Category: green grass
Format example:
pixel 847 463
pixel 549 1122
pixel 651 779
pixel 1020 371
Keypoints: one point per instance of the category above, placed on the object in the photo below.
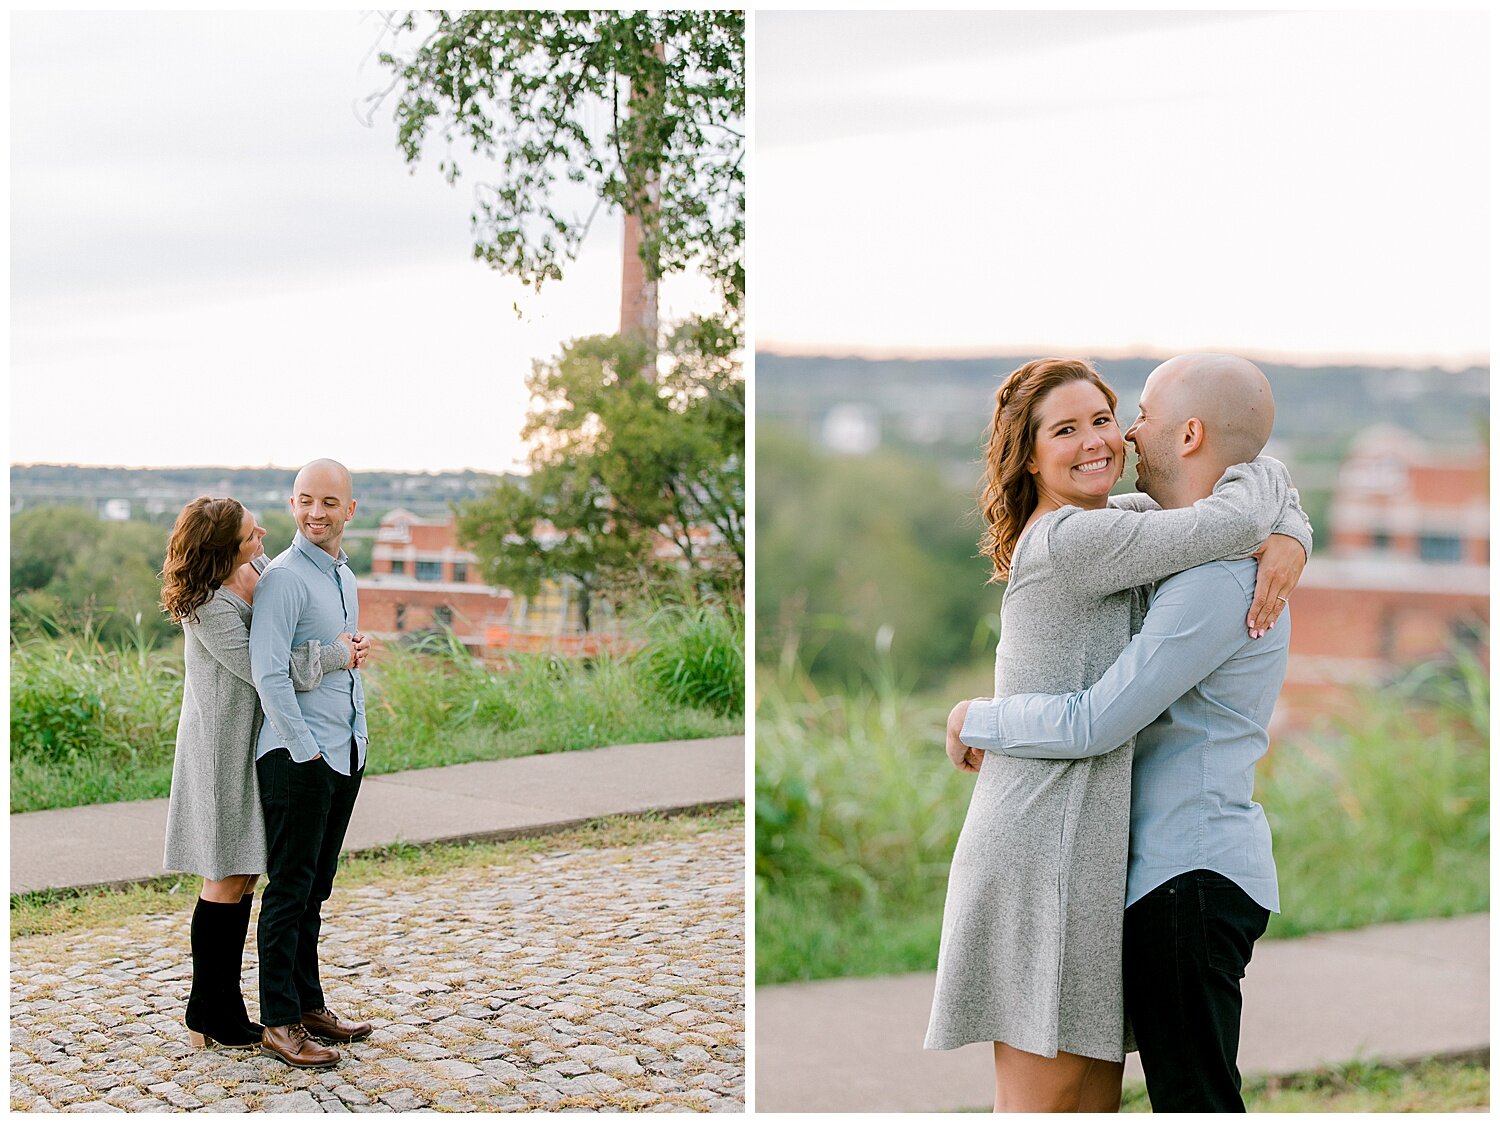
pixel 694 656
pixel 1436 1085
pixel 858 811
pixel 56 912
pixel 96 724
pixel 1383 818
pixel 437 706
pixel 90 723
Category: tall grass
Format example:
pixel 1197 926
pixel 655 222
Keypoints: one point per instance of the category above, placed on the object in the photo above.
pixel 94 724
pixel 858 811
pixel 91 722
pixel 695 656
pixel 1386 816
pixel 434 705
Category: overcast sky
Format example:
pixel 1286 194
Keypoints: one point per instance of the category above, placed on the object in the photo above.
pixel 213 261
pixel 1305 184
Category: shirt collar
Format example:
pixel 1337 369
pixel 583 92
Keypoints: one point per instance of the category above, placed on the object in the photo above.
pixel 319 556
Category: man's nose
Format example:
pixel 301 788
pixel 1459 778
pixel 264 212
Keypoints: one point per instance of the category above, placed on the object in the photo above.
pixel 1130 434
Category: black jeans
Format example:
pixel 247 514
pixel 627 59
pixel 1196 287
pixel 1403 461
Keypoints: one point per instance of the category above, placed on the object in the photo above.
pixel 307 809
pixel 1186 946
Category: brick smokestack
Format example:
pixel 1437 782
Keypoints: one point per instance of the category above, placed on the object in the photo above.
pixel 638 314
pixel 638 283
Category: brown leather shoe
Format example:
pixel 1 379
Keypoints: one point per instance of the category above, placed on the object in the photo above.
pixel 292 1045
pixel 324 1023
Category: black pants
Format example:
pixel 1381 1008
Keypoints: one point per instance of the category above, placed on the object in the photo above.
pixel 307 809
pixel 1186 946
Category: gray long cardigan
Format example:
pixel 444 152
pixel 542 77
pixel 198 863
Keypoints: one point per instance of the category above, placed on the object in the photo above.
pixel 214 823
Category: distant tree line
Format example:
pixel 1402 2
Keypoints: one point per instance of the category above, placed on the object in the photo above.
pixel 73 572
pixel 262 489
pixel 865 565
pixel 943 405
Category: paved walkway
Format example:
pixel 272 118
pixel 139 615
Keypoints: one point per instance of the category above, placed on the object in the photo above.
pixel 120 843
pixel 1389 992
pixel 585 980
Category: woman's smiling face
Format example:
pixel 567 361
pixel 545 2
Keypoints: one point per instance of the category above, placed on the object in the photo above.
pixel 1078 454
pixel 251 533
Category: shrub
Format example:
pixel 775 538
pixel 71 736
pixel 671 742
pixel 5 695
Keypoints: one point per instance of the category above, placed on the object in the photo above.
pixel 81 697
pixel 695 656
pixel 55 712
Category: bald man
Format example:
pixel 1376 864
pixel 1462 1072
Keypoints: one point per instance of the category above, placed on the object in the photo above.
pixel 309 760
pixel 1195 688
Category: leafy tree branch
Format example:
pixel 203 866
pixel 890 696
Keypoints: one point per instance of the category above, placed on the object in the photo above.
pixel 643 109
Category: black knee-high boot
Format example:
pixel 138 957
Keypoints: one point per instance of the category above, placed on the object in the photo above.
pixel 234 966
pixel 211 1018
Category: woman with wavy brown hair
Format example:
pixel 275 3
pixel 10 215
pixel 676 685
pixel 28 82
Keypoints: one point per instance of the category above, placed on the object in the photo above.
pixel 214 823
pixel 1032 926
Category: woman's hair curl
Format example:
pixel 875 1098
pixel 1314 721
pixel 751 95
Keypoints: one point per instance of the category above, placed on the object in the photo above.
pixel 200 555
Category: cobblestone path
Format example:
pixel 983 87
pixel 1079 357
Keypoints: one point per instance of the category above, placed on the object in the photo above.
pixel 591 979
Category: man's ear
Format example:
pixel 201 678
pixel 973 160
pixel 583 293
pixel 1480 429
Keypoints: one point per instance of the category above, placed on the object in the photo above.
pixel 353 503
pixel 1192 436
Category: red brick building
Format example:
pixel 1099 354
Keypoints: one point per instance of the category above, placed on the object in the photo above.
pixel 422 581
pixel 1400 575
pixel 1398 499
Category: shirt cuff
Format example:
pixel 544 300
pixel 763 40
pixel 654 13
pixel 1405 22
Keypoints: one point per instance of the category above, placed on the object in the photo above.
pixel 301 753
pixel 982 724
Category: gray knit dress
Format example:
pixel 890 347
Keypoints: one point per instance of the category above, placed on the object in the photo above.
pixel 1036 894
pixel 214 823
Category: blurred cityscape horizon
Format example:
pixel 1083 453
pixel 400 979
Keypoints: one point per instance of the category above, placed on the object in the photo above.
pixel 1391 462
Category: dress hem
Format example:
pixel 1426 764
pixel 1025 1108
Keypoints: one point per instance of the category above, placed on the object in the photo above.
pixel 1096 1055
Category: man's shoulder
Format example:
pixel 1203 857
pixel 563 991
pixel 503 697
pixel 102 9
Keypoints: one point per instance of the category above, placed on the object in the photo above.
pixel 289 559
pixel 1215 583
pixel 284 571
pixel 282 558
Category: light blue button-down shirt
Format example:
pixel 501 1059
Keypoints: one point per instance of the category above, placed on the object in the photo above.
pixel 306 594
pixel 1197 693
